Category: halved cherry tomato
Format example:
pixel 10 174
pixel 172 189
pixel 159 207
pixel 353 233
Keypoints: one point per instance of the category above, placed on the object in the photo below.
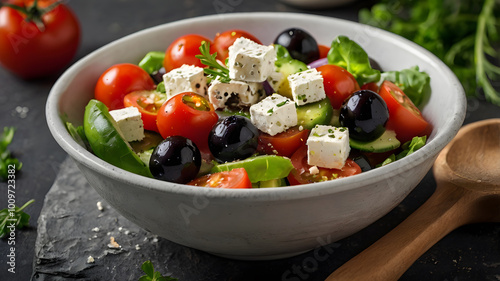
pixel 224 40
pixel 119 80
pixel 323 51
pixel 148 103
pixel 236 178
pixel 302 174
pixel 404 117
pixel 282 144
pixel 189 115
pixel 183 51
pixel 339 84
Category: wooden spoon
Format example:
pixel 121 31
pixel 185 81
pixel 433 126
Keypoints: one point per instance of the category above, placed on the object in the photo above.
pixel 467 173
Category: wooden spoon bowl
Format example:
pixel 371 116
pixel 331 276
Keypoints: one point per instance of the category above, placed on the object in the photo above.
pixel 467 173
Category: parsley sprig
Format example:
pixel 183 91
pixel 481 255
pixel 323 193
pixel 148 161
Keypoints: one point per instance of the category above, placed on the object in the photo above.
pixel 152 275
pixel 16 217
pixel 6 159
pixel 214 69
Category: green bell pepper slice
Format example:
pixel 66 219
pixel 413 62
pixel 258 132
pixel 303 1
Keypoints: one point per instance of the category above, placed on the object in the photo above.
pixel 107 142
pixel 152 61
pixel 260 168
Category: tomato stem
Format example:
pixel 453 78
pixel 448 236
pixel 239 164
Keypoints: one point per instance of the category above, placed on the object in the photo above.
pixel 33 13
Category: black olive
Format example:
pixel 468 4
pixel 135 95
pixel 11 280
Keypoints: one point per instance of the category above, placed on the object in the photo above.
pixel 361 160
pixel 233 138
pixel 365 114
pixel 158 75
pixel 300 44
pixel 176 159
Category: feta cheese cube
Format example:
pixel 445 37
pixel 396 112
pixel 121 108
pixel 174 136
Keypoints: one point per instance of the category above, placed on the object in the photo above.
pixel 129 123
pixel 328 146
pixel 306 86
pixel 274 114
pixel 244 94
pixel 249 61
pixel 187 78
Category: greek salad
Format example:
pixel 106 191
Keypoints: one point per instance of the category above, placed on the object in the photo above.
pixel 232 112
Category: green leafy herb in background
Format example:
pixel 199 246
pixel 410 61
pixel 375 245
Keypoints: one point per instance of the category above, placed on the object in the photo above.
pixel 462 33
pixel 13 217
pixel 6 159
pixel 152 275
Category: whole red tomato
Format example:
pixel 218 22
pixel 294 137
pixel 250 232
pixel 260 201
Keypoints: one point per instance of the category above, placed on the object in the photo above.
pixel 224 40
pixel 183 51
pixel 339 84
pixel 32 45
pixel 118 81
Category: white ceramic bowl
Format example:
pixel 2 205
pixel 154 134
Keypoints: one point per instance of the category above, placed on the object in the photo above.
pixel 258 223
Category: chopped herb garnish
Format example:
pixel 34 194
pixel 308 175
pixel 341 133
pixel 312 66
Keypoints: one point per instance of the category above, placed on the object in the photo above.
pixel 270 111
pixel 152 275
pixel 214 69
pixel 282 103
pixel 13 218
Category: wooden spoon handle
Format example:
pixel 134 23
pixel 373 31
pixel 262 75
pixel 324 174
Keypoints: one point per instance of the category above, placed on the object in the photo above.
pixel 388 258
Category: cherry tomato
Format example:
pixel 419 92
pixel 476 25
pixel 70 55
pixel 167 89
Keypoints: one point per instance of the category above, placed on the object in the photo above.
pixel 339 84
pixel 404 117
pixel 302 175
pixel 188 115
pixel 372 86
pixel 119 80
pixel 323 51
pixel 282 144
pixel 32 51
pixel 148 103
pixel 224 40
pixel 183 51
pixel 236 178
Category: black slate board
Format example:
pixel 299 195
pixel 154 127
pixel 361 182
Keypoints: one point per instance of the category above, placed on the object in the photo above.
pixel 67 237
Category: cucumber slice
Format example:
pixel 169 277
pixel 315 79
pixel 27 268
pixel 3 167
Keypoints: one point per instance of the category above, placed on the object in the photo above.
pixel 386 142
pixel 316 113
pixel 107 142
pixel 286 65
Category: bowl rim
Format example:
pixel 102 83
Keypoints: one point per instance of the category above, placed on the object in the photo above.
pixel 86 158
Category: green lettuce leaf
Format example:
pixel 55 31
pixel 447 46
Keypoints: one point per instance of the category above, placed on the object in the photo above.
pixel 413 82
pixel 348 54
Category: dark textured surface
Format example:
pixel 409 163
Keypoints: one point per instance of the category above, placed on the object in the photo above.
pixel 469 253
